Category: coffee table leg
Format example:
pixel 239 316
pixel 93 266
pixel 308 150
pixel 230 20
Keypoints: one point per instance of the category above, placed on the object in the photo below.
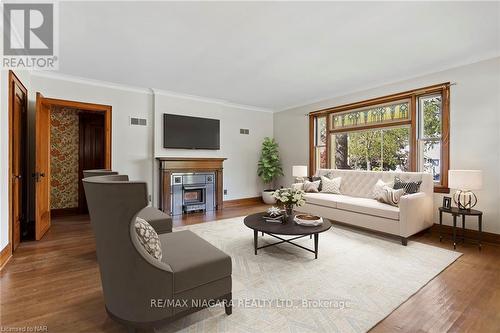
pixel 255 235
pixel 316 240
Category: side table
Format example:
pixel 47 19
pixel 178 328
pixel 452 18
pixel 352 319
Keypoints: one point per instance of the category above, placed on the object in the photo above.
pixel 455 212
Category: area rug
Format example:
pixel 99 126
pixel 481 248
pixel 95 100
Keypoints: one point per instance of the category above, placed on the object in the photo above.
pixel 357 280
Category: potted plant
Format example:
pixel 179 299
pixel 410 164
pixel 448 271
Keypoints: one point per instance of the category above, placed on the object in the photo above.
pixel 289 198
pixel 269 168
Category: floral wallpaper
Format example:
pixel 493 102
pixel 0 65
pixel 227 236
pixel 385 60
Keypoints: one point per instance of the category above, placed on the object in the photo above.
pixel 64 150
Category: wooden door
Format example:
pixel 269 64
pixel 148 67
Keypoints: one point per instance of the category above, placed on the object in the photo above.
pixel 92 149
pixel 18 115
pixel 42 167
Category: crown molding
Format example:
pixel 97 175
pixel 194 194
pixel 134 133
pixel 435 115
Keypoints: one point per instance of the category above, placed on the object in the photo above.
pixel 149 91
pixel 83 80
pixel 210 100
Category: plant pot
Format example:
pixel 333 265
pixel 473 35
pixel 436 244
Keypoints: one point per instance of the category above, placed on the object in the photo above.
pixel 267 197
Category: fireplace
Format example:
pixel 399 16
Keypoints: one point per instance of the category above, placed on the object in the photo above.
pixel 190 184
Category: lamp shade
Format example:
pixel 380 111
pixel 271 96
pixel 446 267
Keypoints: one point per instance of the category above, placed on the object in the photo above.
pixel 465 179
pixel 299 171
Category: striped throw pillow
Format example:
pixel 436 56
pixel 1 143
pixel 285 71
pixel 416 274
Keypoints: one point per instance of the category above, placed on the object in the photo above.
pixel 390 196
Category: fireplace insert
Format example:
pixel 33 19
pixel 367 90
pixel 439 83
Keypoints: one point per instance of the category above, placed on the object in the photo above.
pixel 192 192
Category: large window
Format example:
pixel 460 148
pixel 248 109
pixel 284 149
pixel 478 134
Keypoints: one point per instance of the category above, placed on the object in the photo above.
pixel 401 132
pixel 320 138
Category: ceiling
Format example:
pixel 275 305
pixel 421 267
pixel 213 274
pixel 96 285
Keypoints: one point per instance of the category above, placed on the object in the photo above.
pixel 271 55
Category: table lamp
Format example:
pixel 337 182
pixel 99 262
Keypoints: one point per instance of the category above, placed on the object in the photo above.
pixel 464 181
pixel 299 172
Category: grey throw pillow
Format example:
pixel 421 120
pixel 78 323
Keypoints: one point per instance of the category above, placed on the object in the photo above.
pixel 311 187
pixel 148 238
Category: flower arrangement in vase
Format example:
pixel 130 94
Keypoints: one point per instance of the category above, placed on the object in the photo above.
pixel 289 198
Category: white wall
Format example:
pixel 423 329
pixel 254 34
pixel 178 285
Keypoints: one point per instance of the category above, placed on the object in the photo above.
pixel 133 148
pixel 242 151
pixel 474 132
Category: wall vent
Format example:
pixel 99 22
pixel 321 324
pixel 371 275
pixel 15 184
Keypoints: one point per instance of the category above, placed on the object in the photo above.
pixel 244 131
pixel 138 121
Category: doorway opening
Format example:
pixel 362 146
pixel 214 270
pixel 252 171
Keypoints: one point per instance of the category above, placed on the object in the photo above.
pixel 70 137
pixel 77 143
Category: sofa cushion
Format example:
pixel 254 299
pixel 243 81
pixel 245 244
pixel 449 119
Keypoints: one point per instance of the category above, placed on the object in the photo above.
pixel 160 221
pixel 193 260
pixel 367 206
pixel 322 199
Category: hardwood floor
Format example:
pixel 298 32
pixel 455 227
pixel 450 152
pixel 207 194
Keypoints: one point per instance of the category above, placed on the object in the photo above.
pixel 55 283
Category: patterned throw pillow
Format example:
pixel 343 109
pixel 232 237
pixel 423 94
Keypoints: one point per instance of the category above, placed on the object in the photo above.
pixel 390 196
pixel 379 186
pixel 330 185
pixel 148 238
pixel 311 187
pixel 408 187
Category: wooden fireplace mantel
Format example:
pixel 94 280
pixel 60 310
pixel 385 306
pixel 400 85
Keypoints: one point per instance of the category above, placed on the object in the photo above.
pixel 169 165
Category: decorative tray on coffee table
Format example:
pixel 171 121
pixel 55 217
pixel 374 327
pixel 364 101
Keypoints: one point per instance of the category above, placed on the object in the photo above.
pixel 308 220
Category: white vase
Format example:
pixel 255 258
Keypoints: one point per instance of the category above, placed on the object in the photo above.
pixel 267 197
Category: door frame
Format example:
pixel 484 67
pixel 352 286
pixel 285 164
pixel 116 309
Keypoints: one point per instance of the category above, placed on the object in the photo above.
pixel 89 107
pixel 14 81
pixel 106 110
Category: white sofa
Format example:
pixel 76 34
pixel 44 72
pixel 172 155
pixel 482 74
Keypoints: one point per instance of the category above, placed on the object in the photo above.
pixel 356 206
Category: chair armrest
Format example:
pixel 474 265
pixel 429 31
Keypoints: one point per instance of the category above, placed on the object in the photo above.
pixel 414 211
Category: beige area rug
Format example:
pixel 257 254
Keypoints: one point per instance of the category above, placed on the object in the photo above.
pixel 357 281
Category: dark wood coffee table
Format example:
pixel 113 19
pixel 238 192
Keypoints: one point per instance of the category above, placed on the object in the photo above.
pixel 289 228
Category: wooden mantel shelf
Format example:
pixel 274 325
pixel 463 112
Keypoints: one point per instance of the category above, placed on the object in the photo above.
pixel 169 165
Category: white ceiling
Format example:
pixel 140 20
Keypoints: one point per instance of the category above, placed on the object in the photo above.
pixel 272 55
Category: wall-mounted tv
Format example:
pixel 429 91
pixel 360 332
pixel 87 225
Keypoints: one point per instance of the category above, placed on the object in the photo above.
pixel 183 132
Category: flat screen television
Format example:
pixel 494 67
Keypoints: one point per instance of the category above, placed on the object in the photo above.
pixel 183 132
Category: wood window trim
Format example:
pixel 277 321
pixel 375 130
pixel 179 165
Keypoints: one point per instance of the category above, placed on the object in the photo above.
pixel 411 95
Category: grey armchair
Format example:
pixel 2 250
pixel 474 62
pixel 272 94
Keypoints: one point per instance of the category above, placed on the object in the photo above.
pixel 139 290
pixel 161 222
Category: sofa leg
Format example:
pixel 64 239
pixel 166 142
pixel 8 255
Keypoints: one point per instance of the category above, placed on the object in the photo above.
pixel 228 306
pixel 404 241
